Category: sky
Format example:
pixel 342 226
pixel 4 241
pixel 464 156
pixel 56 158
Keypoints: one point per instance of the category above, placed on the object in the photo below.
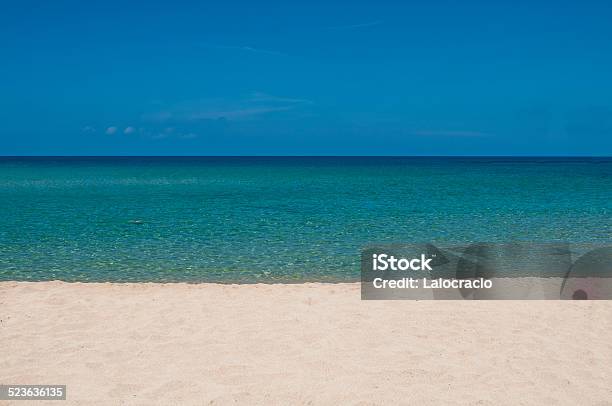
pixel 306 78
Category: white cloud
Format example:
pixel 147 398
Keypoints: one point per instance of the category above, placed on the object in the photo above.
pixel 237 113
pixel 451 133
pixel 111 130
pixel 244 49
pixel 251 106
pixel 160 136
pixel 264 97
pixel 129 130
pixel 351 26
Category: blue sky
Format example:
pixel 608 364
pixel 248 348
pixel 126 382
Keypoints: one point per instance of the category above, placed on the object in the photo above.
pixel 306 78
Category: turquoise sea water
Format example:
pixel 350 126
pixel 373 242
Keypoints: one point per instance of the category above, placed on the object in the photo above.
pixel 279 219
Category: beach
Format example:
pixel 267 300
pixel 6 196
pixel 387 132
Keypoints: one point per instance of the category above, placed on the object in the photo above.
pixel 306 203
pixel 311 343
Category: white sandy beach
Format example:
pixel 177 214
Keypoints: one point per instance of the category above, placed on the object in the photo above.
pixel 180 344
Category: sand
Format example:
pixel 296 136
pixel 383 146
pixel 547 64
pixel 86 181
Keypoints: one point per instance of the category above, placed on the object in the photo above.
pixel 179 344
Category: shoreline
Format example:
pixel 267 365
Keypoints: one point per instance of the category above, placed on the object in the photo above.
pixel 183 343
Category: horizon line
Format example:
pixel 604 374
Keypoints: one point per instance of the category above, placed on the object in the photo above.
pixel 305 156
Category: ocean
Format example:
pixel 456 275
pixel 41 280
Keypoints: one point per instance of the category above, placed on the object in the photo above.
pixel 278 219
